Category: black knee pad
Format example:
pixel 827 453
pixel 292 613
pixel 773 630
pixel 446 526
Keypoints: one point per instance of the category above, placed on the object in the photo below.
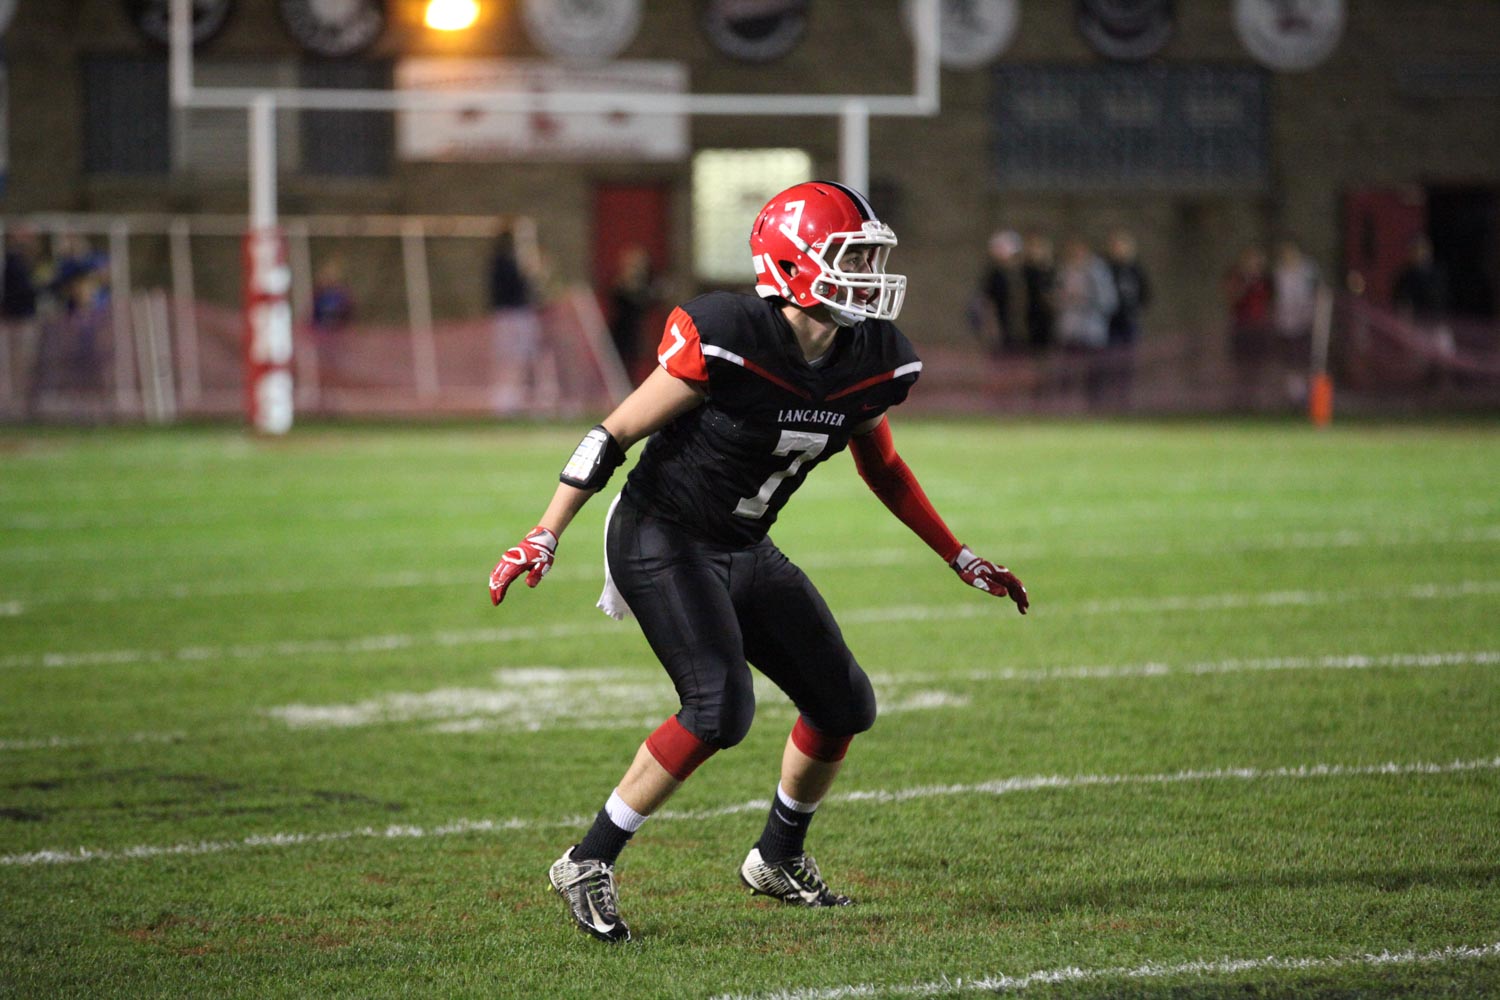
pixel 725 722
pixel 852 716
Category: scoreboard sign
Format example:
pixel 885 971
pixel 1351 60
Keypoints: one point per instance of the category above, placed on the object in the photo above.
pixel 612 133
pixel 1168 127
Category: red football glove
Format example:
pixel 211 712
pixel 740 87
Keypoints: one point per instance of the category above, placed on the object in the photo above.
pixel 988 577
pixel 533 556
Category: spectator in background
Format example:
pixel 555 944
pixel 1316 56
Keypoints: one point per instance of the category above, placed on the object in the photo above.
pixel 1294 290
pixel 18 298
pixel 1421 297
pixel 332 309
pixel 1039 276
pixel 80 274
pixel 1247 293
pixel 1132 295
pixel 332 301
pixel 1132 289
pixel 992 320
pixel 1421 291
pixel 517 328
pixel 18 301
pixel 80 285
pixel 1086 300
pixel 1294 303
pixel 632 295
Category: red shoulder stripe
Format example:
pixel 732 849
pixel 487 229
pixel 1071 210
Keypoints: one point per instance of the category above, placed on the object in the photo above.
pixel 681 352
pixel 907 369
pixel 751 366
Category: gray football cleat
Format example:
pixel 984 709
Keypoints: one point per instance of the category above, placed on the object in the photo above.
pixel 795 881
pixel 588 886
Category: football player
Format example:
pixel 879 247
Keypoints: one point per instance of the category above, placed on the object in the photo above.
pixel 751 393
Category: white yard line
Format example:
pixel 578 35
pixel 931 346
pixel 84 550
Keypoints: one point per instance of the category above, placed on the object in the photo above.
pixel 975 608
pixel 294 648
pixel 15 604
pixel 1181 603
pixel 69 742
pixel 1002 983
pixel 532 699
pixel 999 786
pixel 1342 661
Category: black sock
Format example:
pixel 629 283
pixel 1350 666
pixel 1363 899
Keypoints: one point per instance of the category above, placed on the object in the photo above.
pixel 604 841
pixel 785 831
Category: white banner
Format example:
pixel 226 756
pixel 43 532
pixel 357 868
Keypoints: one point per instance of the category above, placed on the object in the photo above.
pixel 476 134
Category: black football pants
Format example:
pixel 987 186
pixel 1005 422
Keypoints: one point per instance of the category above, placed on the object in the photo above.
pixel 707 609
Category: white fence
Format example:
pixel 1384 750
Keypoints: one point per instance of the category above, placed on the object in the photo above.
pixel 155 333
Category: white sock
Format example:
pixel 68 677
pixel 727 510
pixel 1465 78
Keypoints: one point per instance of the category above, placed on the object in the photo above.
pixel 793 804
pixel 622 815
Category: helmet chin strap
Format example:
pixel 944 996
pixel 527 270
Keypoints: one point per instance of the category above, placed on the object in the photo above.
pixel 843 318
pixel 840 317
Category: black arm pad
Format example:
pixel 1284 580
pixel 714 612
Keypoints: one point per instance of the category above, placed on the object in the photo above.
pixel 595 459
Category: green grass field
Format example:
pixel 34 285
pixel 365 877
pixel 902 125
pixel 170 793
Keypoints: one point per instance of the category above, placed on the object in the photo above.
pixel 261 733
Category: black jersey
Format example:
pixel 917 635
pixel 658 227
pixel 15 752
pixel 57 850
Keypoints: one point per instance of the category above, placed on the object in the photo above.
pixel 725 469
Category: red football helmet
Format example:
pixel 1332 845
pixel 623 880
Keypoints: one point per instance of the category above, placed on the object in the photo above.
pixel 820 242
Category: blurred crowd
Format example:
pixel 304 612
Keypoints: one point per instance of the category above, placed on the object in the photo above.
pixel 1272 304
pixel 1082 307
pixel 65 282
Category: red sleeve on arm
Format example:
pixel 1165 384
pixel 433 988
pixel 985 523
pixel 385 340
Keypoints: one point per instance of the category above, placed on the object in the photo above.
pixel 681 353
pixel 893 482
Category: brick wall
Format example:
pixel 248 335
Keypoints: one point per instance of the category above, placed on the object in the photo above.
pixel 1356 120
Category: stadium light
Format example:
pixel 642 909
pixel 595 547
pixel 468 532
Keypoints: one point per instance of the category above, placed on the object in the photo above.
pixel 452 15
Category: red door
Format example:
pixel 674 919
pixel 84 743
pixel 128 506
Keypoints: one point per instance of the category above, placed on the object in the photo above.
pixel 626 217
pixel 1379 225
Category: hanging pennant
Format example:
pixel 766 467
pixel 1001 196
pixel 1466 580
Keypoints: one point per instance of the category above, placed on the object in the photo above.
pixel 755 30
pixel 582 31
pixel 334 29
pixel 971 33
pixel 1128 30
pixel 153 18
pixel 1289 35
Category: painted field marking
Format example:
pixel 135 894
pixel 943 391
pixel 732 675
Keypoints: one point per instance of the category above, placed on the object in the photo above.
pixel 999 786
pixel 862 616
pixel 413 579
pixel 537 698
pixel 67 742
pixel 1183 603
pixel 1001 983
pixel 1343 661
pixel 532 699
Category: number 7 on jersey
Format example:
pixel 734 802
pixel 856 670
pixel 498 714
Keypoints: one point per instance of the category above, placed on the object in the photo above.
pixel 804 446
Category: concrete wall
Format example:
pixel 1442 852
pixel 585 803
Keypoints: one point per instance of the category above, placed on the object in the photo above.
pixel 1355 120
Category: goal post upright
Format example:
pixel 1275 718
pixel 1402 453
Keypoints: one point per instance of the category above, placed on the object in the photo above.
pixel 852 111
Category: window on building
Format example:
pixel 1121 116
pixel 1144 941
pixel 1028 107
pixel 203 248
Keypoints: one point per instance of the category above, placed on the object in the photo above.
pixel 347 143
pixel 1173 127
pixel 729 187
pixel 217 140
pixel 125 118
pixel 130 127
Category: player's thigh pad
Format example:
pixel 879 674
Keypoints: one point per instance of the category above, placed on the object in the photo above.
pixel 678 589
pixel 792 638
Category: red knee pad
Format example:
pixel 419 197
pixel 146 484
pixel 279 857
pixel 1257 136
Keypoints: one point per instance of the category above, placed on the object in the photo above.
pixel 677 750
pixel 819 746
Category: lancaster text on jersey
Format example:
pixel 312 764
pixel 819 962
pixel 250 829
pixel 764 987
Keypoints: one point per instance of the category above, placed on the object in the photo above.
pixel 830 417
